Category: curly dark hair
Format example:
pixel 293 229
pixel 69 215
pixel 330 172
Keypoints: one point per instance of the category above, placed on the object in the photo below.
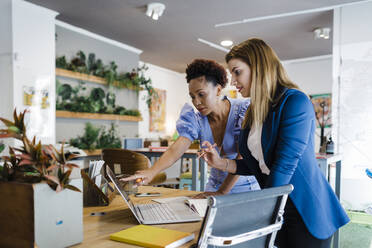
pixel 213 72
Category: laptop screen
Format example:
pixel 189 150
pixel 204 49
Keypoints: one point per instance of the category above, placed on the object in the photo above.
pixel 121 191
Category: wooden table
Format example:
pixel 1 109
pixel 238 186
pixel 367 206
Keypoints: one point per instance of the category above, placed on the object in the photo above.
pixel 191 154
pixel 117 217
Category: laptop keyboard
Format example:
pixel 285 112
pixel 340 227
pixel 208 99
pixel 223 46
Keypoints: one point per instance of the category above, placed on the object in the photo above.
pixel 157 212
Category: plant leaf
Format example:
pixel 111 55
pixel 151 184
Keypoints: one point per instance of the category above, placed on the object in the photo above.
pixel 52 178
pixel 15 117
pixel 26 162
pixel 66 177
pixel 71 187
pixel 26 144
pixel 7 123
pixel 59 188
pixel 70 166
pixel 52 167
pixel 24 156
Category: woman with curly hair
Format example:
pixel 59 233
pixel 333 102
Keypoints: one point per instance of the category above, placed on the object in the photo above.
pixel 218 120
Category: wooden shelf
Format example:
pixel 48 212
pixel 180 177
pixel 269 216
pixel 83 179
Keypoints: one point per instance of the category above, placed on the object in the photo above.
pixel 96 152
pixel 95 116
pixel 88 78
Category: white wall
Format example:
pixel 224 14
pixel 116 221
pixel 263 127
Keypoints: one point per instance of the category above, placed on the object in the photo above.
pixel 314 76
pixel 27 60
pixel 352 87
pixel 6 59
pixel 177 94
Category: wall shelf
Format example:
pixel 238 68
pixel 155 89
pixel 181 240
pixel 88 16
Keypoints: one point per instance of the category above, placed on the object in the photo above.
pixel 96 116
pixel 95 152
pixel 88 78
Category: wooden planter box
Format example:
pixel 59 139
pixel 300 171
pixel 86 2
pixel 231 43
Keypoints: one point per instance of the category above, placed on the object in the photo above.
pixel 33 215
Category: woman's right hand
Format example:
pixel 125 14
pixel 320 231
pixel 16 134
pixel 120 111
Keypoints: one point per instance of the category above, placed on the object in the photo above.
pixel 211 156
pixel 142 177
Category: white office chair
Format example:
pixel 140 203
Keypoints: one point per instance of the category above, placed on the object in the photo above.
pixel 249 219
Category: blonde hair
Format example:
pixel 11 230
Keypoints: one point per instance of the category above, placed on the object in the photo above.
pixel 266 73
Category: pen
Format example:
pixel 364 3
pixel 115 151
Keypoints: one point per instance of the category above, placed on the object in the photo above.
pixel 201 154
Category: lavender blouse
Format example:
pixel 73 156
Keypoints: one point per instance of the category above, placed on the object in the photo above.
pixel 195 126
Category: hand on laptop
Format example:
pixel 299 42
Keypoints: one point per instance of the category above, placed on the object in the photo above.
pixel 142 177
pixel 206 194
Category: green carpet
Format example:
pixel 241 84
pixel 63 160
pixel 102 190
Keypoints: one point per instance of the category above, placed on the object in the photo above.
pixel 358 232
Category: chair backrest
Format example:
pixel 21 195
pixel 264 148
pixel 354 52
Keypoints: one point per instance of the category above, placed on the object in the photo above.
pixel 122 161
pixel 132 143
pixel 249 219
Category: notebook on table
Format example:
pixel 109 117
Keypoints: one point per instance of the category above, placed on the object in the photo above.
pixel 172 212
pixel 151 236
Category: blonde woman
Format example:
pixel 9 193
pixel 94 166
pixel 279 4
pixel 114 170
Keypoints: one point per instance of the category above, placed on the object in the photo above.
pixel 277 146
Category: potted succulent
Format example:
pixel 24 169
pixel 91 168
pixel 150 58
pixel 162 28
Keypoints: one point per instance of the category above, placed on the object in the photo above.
pixel 41 205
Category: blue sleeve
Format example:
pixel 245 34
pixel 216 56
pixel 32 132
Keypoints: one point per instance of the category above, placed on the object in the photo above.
pixel 243 106
pixel 187 124
pixel 293 137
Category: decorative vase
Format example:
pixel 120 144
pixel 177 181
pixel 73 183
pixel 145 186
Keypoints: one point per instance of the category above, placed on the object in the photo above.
pixel 34 215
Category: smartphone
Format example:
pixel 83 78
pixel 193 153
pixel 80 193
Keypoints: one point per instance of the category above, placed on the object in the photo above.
pixel 147 194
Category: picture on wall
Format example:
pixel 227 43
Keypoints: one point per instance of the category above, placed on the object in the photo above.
pixel 32 97
pixel 322 106
pixel 157 111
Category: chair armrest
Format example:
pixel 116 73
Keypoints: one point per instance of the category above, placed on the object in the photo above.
pixel 237 239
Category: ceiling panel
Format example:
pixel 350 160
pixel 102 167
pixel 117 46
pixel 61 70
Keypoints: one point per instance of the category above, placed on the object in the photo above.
pixel 171 42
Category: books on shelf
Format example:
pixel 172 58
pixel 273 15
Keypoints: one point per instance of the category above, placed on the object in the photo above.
pixel 153 237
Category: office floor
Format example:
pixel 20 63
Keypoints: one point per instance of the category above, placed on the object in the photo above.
pixel 358 232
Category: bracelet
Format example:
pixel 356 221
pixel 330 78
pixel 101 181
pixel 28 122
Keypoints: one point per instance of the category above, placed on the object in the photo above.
pixel 227 164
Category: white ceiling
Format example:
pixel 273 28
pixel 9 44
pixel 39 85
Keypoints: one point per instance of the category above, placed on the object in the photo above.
pixel 171 42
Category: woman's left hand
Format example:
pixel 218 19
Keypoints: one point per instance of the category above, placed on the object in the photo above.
pixel 206 194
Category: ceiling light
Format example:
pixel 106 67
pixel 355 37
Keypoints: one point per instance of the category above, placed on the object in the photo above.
pixel 226 43
pixel 211 44
pixel 155 10
pixel 321 33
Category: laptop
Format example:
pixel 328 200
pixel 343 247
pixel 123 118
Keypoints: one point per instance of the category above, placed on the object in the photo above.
pixel 165 213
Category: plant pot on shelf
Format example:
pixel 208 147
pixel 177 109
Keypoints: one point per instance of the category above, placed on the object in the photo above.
pixel 34 215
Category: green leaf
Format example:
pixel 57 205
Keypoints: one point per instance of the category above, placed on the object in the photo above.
pixel 97 94
pixel 65 91
pixel 71 187
pixel 8 123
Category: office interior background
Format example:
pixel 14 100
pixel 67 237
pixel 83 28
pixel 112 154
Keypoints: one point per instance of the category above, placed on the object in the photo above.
pixel 325 46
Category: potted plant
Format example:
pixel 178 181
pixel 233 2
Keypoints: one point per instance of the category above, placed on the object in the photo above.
pixel 41 205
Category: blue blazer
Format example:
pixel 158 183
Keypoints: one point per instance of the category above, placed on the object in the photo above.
pixel 288 148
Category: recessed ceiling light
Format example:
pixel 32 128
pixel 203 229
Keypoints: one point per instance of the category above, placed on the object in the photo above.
pixel 226 43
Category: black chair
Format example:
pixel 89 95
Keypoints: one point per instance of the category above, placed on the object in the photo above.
pixel 249 219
